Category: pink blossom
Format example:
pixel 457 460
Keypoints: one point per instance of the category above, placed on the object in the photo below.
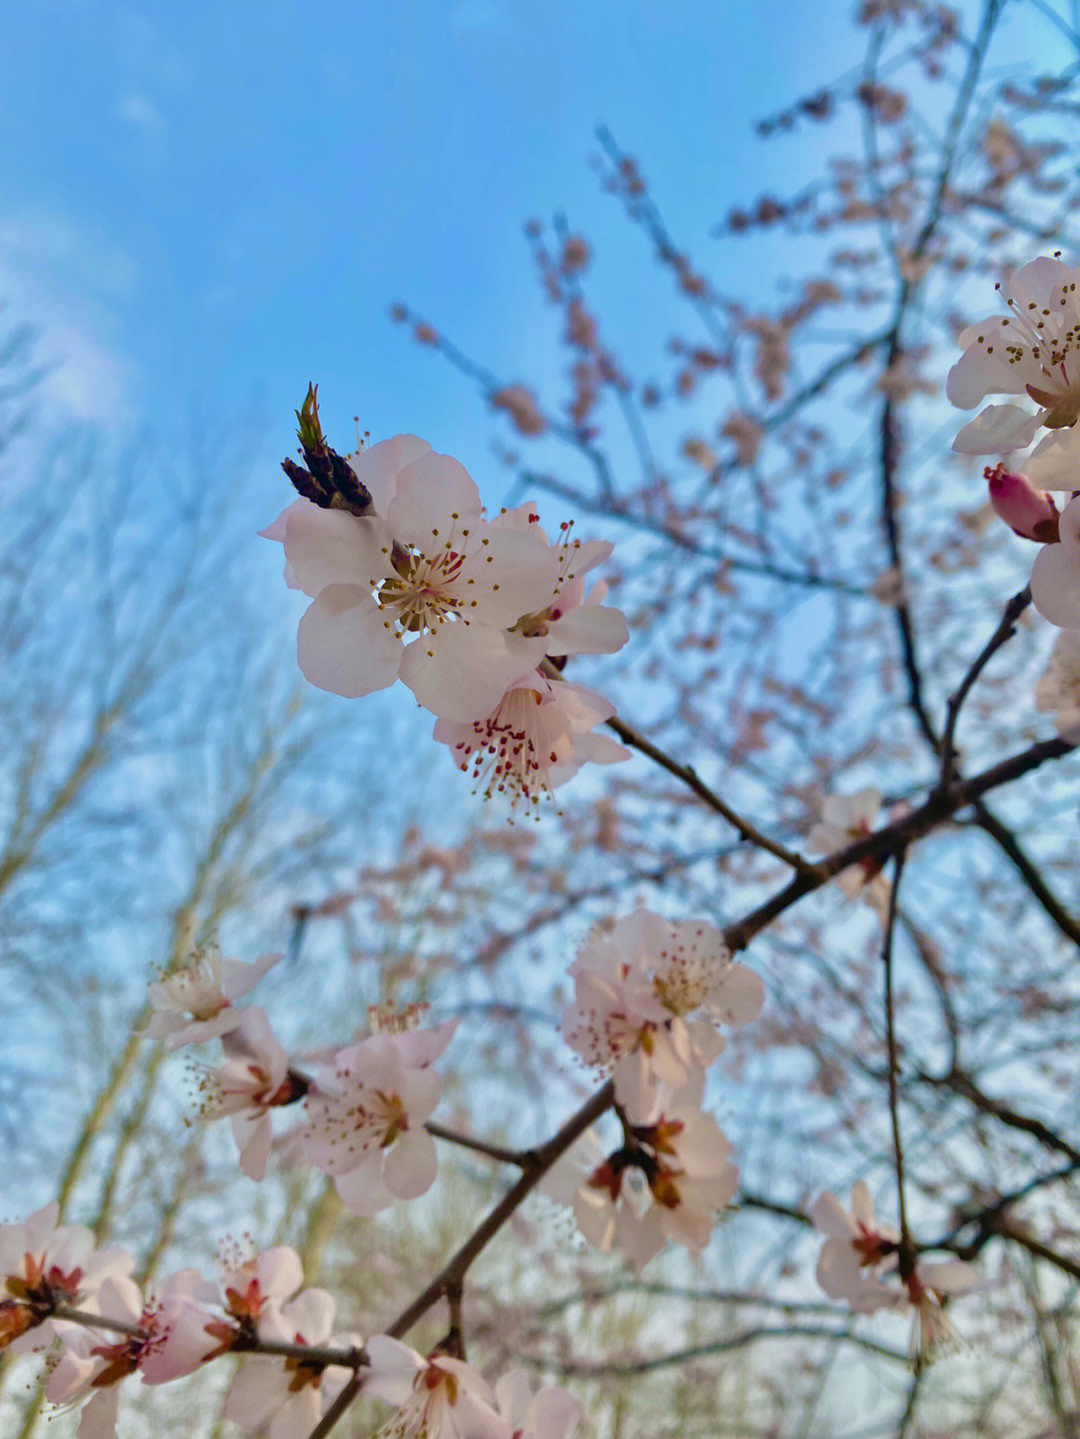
pixel 667 1183
pixel 845 819
pixel 254 1079
pixel 1033 351
pixel 196 1003
pixel 860 1264
pixel 549 1413
pixel 857 1252
pixel 93 1362
pixel 537 737
pixel 365 1122
pixel 1055 577
pixel 42 1265
pixel 637 986
pixel 436 1398
pixel 424 589
pixel 571 623
pixel 287 1395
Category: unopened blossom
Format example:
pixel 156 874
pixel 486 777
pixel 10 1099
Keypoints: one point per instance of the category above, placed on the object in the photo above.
pixel 858 1252
pixel 1058 687
pixel 285 1397
pixel 546 1413
pixel 254 1079
pixel 1034 351
pixel 365 1123
pixel 638 986
pixel 196 1003
pixel 44 1264
pixel 436 1398
pixel 1055 576
pixel 423 589
pixel 667 1183
pixel 1028 512
pixel 537 737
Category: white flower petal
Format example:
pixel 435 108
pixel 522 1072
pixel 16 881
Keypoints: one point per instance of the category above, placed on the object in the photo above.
pixel 344 646
pixel 997 430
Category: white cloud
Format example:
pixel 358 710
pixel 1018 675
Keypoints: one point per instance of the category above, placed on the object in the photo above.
pixel 67 283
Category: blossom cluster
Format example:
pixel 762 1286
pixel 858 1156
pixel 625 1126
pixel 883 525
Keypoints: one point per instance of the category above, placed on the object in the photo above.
pixel 650 998
pixel 366 1103
pixel 1032 351
pixel 860 1263
pixel 410 580
pixel 100 1328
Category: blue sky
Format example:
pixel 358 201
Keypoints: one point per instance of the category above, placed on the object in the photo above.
pixel 223 201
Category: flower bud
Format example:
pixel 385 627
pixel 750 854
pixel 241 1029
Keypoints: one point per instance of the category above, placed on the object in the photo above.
pixel 1028 512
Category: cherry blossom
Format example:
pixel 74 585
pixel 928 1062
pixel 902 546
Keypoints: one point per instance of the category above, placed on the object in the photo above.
pixel 1055 577
pixel 424 589
pixel 437 1396
pixel 365 1120
pixel 858 1252
pixel 845 819
pixel 548 1413
pixel 537 737
pixel 572 624
pixel 93 1362
pixel 635 985
pixel 254 1079
pixel 860 1263
pixel 1058 688
pixel 667 1182
pixel 44 1264
pixel 287 1395
pixel 1034 350
pixel 196 1003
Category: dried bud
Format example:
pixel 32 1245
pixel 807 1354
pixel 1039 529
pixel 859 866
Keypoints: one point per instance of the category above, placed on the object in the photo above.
pixel 1028 512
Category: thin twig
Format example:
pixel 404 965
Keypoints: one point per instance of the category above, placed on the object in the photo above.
pixel 1006 628
pixel 907 1249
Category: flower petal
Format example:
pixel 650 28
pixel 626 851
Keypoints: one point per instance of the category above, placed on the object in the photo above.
pixel 344 645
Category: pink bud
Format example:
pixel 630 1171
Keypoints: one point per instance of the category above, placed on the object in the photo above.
pixel 1028 512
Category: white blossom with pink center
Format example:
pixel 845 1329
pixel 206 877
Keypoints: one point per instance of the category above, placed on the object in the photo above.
pixel 285 1397
pixel 1055 577
pixel 254 1080
pixel 1058 687
pixel 860 1265
pixel 425 590
pixel 1033 351
pixel 536 738
pixel 858 1252
pixel 667 1183
pixel 43 1264
pixel 636 984
pixel 436 1398
pixel 845 819
pixel 571 624
pixel 547 1413
pixel 93 1362
pixel 365 1120
pixel 196 1003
